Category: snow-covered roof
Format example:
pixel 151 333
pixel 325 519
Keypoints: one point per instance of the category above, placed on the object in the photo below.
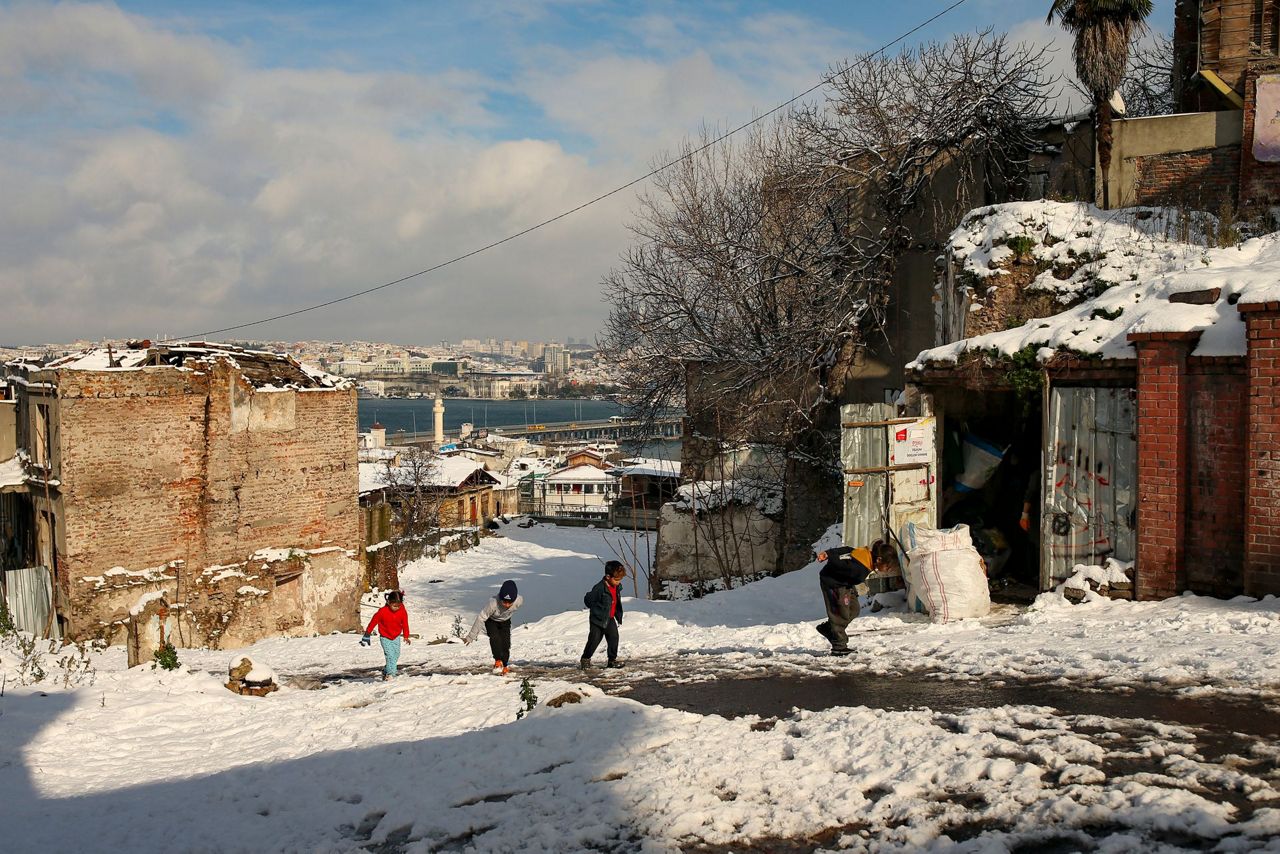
pixel 266 371
pixel 648 466
pixel 444 472
pixel 523 466
pixel 580 474
pixel 713 494
pixel 1125 266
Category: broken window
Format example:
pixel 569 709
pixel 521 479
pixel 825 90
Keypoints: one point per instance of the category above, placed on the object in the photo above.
pixel 40 436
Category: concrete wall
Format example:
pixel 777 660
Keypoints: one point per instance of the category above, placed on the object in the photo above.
pixel 174 479
pixel 1190 158
pixel 734 536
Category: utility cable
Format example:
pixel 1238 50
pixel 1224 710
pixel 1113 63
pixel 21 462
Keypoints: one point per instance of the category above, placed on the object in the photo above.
pixel 544 223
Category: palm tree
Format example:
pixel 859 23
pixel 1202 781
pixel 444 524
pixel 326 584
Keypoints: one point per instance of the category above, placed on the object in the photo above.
pixel 1103 30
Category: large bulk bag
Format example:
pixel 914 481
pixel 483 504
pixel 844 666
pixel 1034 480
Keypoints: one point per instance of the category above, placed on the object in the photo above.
pixel 945 574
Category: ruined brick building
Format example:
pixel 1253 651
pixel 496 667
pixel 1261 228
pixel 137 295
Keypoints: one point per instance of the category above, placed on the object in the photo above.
pixel 222 479
pixel 1219 151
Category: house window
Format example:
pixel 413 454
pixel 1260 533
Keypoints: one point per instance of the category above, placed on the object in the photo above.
pixel 577 489
pixel 589 489
pixel 40 434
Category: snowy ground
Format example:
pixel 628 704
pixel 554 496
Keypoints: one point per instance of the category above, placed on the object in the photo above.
pixel 436 760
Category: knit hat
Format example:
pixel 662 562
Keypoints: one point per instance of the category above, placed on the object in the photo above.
pixel 507 593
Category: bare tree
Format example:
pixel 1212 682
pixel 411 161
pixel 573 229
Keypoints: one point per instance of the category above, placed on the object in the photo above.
pixel 415 499
pixel 761 267
pixel 1148 84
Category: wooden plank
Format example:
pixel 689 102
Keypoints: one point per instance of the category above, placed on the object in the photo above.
pixel 884 469
pixel 888 423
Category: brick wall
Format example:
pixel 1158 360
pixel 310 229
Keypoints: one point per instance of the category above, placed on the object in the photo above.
pixel 1218 415
pixel 168 472
pixel 1163 459
pixel 1200 179
pixel 1259 182
pixel 1262 508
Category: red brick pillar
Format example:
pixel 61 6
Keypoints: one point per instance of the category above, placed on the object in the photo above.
pixel 1163 461
pixel 1262 493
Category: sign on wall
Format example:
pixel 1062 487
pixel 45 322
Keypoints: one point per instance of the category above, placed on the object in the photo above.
pixel 1266 123
pixel 913 443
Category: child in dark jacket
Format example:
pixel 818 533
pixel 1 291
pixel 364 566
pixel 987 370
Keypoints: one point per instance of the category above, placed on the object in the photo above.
pixel 845 569
pixel 392 623
pixel 605 604
pixel 494 620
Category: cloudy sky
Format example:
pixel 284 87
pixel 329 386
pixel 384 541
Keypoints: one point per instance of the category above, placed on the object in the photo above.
pixel 172 168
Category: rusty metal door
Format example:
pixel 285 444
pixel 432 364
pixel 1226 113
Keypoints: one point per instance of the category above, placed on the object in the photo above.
pixel 888 480
pixel 29 598
pixel 1089 480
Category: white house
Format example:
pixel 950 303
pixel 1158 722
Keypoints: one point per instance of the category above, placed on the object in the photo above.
pixel 581 491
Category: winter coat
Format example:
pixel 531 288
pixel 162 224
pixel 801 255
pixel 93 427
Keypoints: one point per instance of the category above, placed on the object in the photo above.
pixel 601 602
pixel 845 568
pixel 390 624
pixel 493 611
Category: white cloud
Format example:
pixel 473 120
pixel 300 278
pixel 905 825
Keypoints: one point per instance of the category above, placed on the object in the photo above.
pixel 280 187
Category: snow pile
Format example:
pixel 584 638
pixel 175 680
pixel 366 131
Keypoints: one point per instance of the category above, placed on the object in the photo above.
pixel 11 472
pixel 1126 265
pixel 1091 582
pixel 144 600
pixel 704 495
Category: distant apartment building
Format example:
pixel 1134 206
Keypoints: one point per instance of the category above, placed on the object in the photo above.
pixel 556 360
pixel 221 480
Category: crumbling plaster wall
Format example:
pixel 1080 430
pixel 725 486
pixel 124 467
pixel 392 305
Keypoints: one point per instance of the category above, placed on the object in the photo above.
pixel 168 472
pixel 736 535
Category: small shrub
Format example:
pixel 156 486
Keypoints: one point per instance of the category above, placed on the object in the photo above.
pixel 1106 313
pixel 527 696
pixel 7 627
pixel 166 658
pixel 77 666
pixel 1024 376
pixel 458 629
pixel 1021 244
pixel 30 659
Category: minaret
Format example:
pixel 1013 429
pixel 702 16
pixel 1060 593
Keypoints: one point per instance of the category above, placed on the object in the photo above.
pixel 438 409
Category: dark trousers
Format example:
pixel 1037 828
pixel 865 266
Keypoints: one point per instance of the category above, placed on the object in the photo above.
pixel 609 632
pixel 499 632
pixel 842 608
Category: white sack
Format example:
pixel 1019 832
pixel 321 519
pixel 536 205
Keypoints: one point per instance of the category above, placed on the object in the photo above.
pixel 944 573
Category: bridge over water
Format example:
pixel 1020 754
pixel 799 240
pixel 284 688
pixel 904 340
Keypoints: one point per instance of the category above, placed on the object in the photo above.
pixel 567 431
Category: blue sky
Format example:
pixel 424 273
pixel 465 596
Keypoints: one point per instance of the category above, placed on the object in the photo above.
pixel 181 166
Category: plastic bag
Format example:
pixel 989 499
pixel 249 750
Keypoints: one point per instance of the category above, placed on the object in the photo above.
pixel 944 573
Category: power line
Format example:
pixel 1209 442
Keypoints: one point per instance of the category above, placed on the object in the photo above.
pixel 544 223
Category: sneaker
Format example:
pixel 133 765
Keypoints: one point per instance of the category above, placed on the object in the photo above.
pixel 840 653
pixel 497 664
pixel 584 664
pixel 824 629
pixel 614 664
pixel 386 677
pixel 504 670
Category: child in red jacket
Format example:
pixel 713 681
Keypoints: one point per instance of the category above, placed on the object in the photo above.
pixel 392 623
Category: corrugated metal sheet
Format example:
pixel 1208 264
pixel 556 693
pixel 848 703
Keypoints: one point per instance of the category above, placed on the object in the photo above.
pixel 1089 478
pixel 29 596
pixel 864 494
